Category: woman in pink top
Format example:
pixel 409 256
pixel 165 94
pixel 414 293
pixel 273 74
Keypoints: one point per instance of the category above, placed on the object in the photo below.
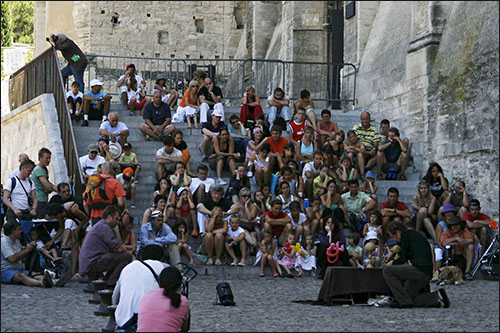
pixel 165 309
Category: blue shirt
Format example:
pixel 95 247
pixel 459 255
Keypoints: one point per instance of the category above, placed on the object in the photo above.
pixel 100 94
pixel 157 115
pixel 163 237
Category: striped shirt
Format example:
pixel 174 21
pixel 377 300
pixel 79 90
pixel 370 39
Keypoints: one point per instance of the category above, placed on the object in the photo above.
pixel 368 137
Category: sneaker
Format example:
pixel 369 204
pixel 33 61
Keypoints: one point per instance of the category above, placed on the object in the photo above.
pixel 210 262
pixel 274 275
pixel 444 298
pixel 148 138
pixel 66 276
pixel 85 123
pixel 47 280
pixel 300 274
pixel 235 262
pixel 221 182
pixel 242 263
pixel 468 276
pixel 249 174
pixel 261 274
pixel 218 262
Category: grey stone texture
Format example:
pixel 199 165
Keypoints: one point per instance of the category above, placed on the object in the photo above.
pixel 262 305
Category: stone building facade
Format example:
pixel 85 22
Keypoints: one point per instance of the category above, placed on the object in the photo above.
pixel 431 67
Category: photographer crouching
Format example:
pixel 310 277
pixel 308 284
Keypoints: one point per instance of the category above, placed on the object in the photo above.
pixel 77 61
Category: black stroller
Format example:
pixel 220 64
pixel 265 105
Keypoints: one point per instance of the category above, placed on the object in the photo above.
pixel 36 261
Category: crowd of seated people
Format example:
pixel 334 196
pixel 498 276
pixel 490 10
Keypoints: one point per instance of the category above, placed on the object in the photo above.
pixel 314 186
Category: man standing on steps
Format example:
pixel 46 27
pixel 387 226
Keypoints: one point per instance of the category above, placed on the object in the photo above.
pixel 210 130
pixel 114 130
pixel 368 135
pixel 43 186
pixel 157 118
pixel 77 61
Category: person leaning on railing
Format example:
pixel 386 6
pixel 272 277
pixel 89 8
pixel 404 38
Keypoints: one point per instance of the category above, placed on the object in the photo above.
pixel 77 61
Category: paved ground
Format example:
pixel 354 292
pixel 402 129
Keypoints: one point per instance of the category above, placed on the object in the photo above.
pixel 262 304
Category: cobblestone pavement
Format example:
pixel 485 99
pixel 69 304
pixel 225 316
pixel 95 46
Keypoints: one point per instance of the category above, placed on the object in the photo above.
pixel 262 304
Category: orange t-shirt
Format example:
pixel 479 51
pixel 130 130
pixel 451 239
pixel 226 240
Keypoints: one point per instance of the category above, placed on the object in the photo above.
pixel 462 234
pixel 187 95
pixel 277 147
pixel 113 190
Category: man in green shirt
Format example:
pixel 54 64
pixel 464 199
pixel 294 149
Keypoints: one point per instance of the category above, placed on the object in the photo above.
pixel 357 204
pixel 409 275
pixel 40 177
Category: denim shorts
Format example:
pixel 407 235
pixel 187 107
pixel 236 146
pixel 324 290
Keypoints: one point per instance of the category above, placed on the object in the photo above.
pixel 8 274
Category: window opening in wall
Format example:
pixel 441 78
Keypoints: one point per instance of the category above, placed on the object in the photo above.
pixel 148 15
pixel 157 55
pixel 217 57
pixel 114 19
pixel 201 57
pixel 238 17
pixel 142 53
pixel 103 11
pixel 200 26
pixel 163 37
pixel 172 56
pixel 187 56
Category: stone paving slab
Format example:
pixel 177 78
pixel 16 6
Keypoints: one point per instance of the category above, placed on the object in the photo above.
pixel 262 304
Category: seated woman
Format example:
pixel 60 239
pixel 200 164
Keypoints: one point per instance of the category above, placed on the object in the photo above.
pixel 247 212
pixel 438 182
pixel 250 108
pixel 164 309
pixel 425 209
pixel 333 201
pixel 260 205
pixel 346 171
pixel 179 179
pixel 185 208
pixel 286 197
pixel 306 146
pixel 224 155
pixel 160 203
pixel 330 233
pixel 337 147
pixel 354 150
pixel 168 96
pixel 254 145
pixel 215 229
pixel 103 145
pixel 189 106
pixel 259 162
pixel 136 96
pixel 181 145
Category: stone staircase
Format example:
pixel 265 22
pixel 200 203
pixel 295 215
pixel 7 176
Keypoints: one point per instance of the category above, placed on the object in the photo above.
pixel 146 154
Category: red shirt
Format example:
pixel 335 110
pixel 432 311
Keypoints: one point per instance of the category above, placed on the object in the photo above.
pixel 297 130
pixel 399 206
pixel 277 147
pixel 462 234
pixel 481 217
pixel 276 229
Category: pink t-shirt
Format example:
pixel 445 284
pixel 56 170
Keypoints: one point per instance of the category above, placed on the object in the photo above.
pixel 157 315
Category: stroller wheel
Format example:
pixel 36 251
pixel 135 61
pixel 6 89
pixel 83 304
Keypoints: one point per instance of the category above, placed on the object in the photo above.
pixel 61 267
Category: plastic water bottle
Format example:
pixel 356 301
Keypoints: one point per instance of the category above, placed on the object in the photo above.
pixel 306 203
pixel 276 241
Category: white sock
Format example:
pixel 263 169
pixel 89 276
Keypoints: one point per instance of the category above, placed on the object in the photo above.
pixel 71 111
pixel 85 117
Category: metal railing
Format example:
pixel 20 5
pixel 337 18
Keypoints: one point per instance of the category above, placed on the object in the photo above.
pixel 325 81
pixel 40 76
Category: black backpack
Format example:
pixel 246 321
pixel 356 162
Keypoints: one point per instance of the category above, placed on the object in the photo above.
pixel 224 294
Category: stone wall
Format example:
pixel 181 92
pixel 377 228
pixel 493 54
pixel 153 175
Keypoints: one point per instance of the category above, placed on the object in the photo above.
pixel 40 117
pixel 431 68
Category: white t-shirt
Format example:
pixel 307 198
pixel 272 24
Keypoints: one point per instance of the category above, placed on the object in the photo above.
pixel 302 219
pixel 39 244
pixel 90 166
pixel 309 166
pixel 235 233
pixel 270 98
pixel 123 87
pixel 10 247
pixel 119 177
pixel 106 125
pixel 176 153
pixel 135 280
pixel 131 93
pixel 70 94
pixel 17 195
pixel 195 183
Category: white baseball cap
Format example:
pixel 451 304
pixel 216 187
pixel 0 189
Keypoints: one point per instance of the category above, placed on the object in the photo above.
pixel 95 82
pixel 217 113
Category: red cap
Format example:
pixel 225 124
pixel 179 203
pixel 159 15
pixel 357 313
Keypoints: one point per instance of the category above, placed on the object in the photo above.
pixel 130 65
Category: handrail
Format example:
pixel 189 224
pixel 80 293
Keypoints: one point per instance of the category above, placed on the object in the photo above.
pixel 43 75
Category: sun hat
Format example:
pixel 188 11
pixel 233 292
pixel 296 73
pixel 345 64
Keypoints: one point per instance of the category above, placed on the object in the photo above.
pixel 95 82
pixel 156 213
pixel 180 190
pixel 115 149
pixel 455 220
pixel 369 174
pixel 448 208
pixel 161 76
pixel 371 235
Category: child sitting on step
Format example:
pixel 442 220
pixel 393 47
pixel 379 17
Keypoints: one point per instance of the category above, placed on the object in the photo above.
pixel 267 255
pixel 308 262
pixel 180 230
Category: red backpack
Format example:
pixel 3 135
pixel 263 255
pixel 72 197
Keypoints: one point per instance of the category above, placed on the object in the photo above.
pixel 95 192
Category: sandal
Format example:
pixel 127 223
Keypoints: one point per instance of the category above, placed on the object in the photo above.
pixel 276 275
pixel 261 274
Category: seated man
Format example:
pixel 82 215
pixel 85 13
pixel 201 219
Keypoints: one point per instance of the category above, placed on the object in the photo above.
pixel 102 252
pixel 95 103
pixel 326 127
pixel 394 210
pixel 201 186
pixel 167 156
pixel 12 254
pixel 277 143
pixel 311 171
pixel 368 135
pixel 406 280
pixel 210 99
pixel 478 223
pixel 357 204
pixel 278 106
pixel 206 206
pixel 213 237
pixel 277 222
pixel 114 130
pixel 307 103
pixel 393 153
pixel 384 129
pixel 158 233
pixel 210 130
pixel 458 197
pixel 91 161
pixel 122 81
pixel 462 242
pixel 239 134
pixel 135 280
pixel 157 118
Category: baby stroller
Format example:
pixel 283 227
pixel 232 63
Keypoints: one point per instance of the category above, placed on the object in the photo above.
pixel 36 261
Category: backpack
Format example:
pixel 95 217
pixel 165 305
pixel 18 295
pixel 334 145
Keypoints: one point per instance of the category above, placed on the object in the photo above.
pixel 13 180
pixel 95 192
pixel 392 170
pixel 14 183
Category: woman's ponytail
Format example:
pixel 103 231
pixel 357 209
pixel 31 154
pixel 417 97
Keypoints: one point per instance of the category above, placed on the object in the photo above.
pixel 175 297
pixel 170 281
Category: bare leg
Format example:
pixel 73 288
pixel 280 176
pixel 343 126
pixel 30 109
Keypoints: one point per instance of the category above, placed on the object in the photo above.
pixel 469 257
pixel 147 131
pixel 243 248
pixel 160 169
pixel 219 244
pixel 430 228
pixel 124 98
pixel 132 194
pixel 137 171
pixel 21 278
pixel 263 261
pixel 230 251
pixel 220 167
pixel 208 243
pixel 187 250
pixel 361 163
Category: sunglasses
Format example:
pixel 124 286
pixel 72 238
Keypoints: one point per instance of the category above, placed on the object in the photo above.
pixel 246 196
pixel 234 122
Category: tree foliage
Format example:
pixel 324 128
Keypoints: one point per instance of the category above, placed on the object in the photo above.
pixel 6 24
pixel 23 17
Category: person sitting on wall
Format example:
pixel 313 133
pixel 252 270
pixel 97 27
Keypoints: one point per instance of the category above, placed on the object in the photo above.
pixel 210 100
pixel 250 108
pixel 95 103
pixel 130 72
